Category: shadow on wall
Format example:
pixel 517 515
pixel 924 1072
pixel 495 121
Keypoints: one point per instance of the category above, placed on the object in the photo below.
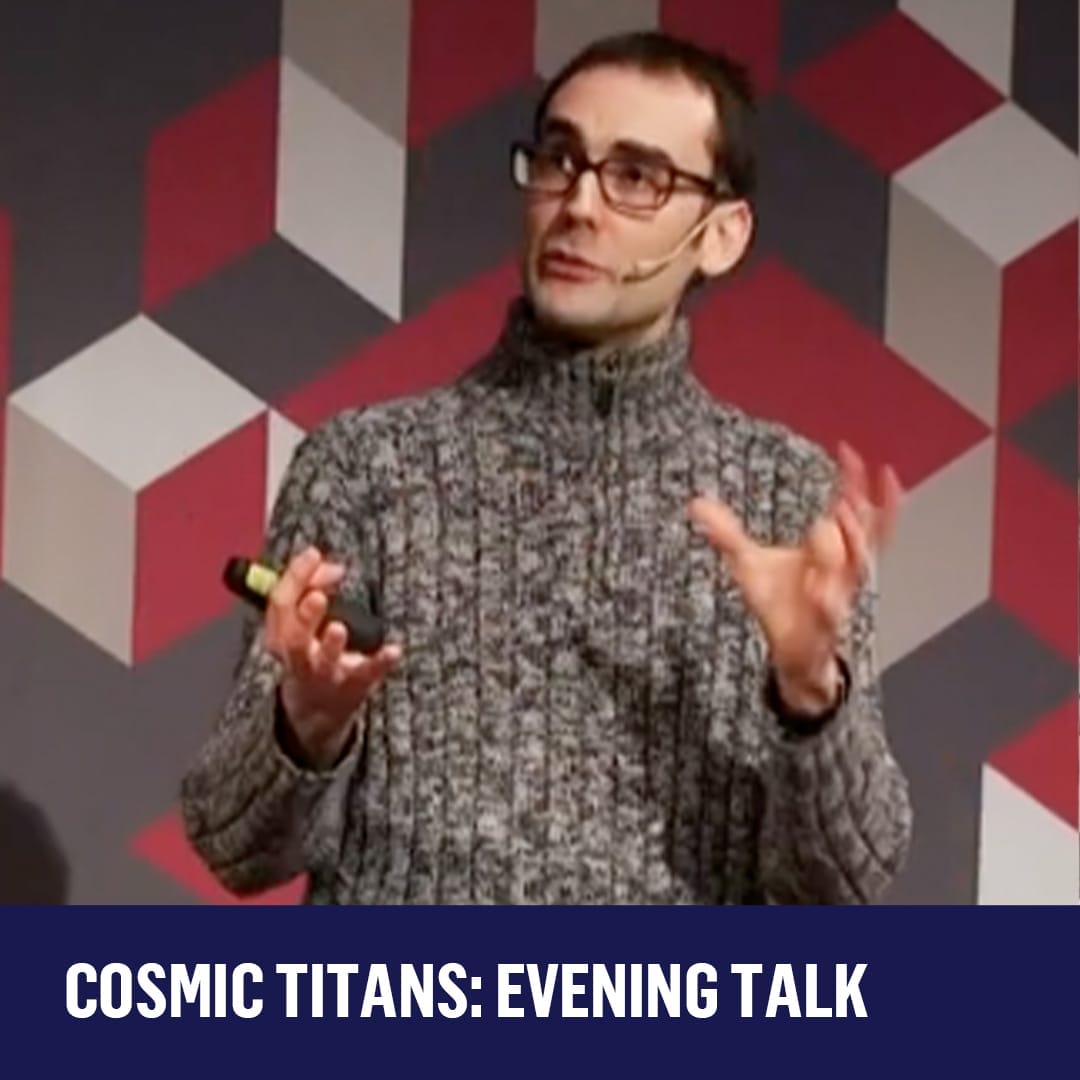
pixel 33 869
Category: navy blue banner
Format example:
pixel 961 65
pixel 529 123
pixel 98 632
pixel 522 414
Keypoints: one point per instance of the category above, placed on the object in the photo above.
pixel 559 992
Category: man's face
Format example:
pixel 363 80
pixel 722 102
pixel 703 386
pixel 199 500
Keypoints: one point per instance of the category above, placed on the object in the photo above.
pixel 576 244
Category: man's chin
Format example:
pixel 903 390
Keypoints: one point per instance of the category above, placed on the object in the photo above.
pixel 573 313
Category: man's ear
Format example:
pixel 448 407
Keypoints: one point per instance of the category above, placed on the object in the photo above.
pixel 726 238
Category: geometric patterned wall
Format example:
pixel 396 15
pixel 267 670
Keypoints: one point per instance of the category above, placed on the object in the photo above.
pixel 220 223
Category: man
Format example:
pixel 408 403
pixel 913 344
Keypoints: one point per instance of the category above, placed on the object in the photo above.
pixel 633 627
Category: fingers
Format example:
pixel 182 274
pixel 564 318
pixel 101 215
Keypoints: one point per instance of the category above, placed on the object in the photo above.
pixel 294 581
pixel 297 609
pixel 307 570
pixel 334 640
pixel 853 474
pixel 327 577
pixel 323 652
pixel 721 527
pixel 312 610
pixel 298 634
pixel 877 513
pixel 891 496
pixel 856 542
pixel 833 565
pixel 321 678
pixel 855 489
pixel 351 674
pixel 364 673
pixel 844 553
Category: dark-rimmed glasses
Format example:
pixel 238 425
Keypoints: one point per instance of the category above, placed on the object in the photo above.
pixel 627 182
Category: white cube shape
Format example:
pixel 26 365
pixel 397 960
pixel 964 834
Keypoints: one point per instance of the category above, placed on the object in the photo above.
pixel 1027 855
pixel 565 26
pixel 92 447
pixel 980 32
pixel 358 50
pixel 943 304
pixel 1004 182
pixel 938 567
pixel 341 190
pixel 283 437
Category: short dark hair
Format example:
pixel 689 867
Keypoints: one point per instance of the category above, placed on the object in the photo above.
pixel 656 53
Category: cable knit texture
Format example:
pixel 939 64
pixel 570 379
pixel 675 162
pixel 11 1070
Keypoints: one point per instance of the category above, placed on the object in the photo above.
pixel 580 715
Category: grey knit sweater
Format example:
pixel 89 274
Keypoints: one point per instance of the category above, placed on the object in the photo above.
pixel 580 715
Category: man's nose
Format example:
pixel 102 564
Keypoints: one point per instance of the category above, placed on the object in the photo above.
pixel 584 198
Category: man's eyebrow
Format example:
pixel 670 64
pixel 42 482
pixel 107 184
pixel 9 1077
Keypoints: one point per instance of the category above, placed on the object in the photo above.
pixel 559 125
pixel 640 149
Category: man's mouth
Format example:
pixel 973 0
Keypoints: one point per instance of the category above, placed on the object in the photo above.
pixel 569 267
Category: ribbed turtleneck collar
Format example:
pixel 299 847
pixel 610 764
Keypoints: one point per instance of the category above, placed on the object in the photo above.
pixel 549 366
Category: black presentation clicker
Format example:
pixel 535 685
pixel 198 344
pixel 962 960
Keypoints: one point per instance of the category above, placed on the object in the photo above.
pixel 253 582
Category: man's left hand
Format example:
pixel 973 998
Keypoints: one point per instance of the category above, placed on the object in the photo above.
pixel 803 596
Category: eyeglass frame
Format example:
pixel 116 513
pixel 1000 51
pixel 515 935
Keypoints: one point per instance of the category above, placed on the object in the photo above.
pixel 718 189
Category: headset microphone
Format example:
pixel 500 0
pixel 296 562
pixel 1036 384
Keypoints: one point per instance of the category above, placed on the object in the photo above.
pixel 647 268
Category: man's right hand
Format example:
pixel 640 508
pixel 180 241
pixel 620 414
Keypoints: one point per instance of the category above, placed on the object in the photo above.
pixel 322 684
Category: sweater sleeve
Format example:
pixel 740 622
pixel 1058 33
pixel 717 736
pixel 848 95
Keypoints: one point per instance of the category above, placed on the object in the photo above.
pixel 255 815
pixel 838 815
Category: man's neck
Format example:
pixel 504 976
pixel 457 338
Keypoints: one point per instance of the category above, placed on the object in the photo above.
pixel 628 336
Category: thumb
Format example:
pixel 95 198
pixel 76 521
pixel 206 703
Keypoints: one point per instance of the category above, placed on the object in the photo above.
pixel 721 527
pixel 368 671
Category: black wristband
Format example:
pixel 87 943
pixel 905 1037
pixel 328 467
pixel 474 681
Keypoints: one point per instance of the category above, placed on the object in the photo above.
pixel 284 734
pixel 799 723
pixel 290 745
